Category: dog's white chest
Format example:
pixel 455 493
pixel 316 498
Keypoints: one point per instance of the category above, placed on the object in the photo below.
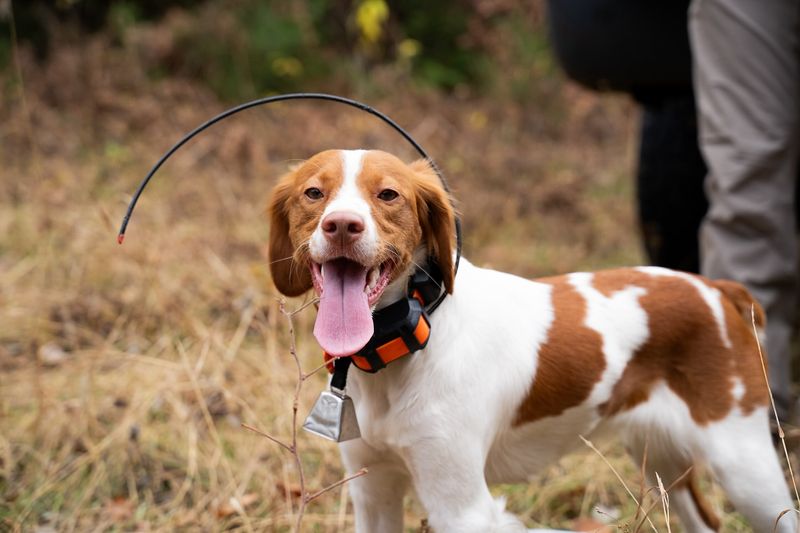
pixel 479 361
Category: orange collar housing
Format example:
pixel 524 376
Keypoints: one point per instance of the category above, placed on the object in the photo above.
pixel 400 329
pixel 403 327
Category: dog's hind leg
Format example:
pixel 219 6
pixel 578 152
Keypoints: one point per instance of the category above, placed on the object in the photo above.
pixel 657 452
pixel 740 453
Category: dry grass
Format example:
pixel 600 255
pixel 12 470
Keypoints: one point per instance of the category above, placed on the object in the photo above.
pixel 126 372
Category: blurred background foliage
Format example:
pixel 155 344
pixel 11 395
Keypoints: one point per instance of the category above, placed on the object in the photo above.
pixel 247 48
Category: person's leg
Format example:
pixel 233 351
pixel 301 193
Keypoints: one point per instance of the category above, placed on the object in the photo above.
pixel 670 177
pixel 746 81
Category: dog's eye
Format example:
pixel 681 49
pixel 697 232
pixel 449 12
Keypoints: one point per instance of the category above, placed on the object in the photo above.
pixel 314 193
pixel 387 195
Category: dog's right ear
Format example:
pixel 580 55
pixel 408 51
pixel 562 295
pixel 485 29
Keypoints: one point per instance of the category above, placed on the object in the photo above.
pixel 290 277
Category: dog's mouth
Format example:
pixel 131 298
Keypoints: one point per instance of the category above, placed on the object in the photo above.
pixel 373 281
pixel 347 291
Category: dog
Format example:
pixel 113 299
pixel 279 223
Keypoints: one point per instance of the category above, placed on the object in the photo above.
pixel 514 370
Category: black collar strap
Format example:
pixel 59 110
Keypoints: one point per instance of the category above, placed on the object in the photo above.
pixel 401 328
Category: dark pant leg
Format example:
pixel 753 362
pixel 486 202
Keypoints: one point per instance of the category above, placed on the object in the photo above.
pixel 670 177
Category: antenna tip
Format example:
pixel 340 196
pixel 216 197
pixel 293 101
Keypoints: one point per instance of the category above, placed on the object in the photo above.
pixel 120 238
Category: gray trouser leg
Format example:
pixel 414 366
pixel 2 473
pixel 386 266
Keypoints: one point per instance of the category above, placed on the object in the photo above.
pixel 747 84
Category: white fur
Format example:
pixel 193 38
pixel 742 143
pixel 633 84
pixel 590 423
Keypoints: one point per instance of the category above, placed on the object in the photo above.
pixel 620 321
pixel 738 389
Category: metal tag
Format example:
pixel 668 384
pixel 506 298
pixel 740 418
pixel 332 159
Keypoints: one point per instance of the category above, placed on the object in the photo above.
pixel 333 417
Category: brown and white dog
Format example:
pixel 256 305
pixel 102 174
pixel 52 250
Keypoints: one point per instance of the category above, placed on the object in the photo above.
pixel 515 370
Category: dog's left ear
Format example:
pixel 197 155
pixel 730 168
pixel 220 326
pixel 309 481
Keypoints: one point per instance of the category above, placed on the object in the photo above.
pixel 436 217
pixel 290 278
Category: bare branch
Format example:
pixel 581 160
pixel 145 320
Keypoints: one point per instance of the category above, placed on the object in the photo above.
pixel 267 435
pixel 295 402
pixel 304 306
pixel 315 370
pixel 305 498
pixel 332 486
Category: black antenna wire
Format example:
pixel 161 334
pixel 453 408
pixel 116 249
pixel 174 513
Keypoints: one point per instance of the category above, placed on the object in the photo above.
pixel 278 98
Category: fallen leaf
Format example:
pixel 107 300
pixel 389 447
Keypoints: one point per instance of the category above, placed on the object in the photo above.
pixel 119 509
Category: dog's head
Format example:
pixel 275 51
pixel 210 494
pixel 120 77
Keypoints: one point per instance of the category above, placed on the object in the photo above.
pixel 351 224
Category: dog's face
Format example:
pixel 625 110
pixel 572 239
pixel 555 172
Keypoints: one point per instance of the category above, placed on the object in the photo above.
pixel 348 224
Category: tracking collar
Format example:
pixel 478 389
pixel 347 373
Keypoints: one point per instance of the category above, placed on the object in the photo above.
pixel 401 328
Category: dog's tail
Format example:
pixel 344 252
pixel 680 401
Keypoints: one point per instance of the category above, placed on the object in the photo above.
pixel 747 306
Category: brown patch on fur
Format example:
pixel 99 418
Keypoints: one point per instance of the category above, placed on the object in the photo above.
pixel 685 349
pixel 570 362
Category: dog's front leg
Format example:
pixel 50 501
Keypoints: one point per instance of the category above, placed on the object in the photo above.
pixel 378 495
pixel 449 480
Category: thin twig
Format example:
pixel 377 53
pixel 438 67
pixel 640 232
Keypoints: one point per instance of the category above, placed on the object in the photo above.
pixel 267 435
pixel 305 497
pixel 332 486
pixel 671 486
pixel 298 463
pixel 603 457
pixel 299 309
pixel 315 370
pixel 781 435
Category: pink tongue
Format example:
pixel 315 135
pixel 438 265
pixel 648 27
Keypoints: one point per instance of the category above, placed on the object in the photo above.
pixel 344 321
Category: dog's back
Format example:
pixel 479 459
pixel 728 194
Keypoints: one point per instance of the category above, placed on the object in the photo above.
pixel 669 361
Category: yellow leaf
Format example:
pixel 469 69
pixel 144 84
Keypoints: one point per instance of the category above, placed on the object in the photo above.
pixel 408 48
pixel 370 16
